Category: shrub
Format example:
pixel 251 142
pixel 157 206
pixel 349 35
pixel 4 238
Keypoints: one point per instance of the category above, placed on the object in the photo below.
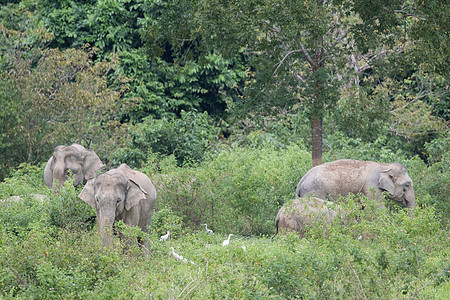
pixel 65 209
pixel 187 137
pixel 339 146
pixel 432 185
pixel 18 207
pixel 166 220
pixel 400 259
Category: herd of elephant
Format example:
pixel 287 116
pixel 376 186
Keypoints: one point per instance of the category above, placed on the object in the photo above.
pixel 129 195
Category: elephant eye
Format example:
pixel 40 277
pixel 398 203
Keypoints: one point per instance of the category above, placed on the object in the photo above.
pixel 406 186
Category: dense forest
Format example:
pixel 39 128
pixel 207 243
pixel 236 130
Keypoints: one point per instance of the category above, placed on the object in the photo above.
pixel 225 105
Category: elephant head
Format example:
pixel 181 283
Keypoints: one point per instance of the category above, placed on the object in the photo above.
pixel 81 162
pixel 395 180
pixel 120 194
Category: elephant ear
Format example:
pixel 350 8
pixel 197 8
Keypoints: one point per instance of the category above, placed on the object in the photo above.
pixel 48 173
pixel 386 181
pixel 91 163
pixel 88 193
pixel 135 193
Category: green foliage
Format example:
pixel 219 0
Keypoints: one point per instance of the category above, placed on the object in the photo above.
pixel 339 146
pixel 165 220
pixel 19 208
pixel 286 269
pixel 430 29
pixel 53 97
pixel 65 209
pixel 20 214
pixel 438 149
pixel 165 88
pixel 108 25
pixel 162 87
pixel 187 138
pixel 152 102
pixel 435 182
pixel 361 113
pixel 243 185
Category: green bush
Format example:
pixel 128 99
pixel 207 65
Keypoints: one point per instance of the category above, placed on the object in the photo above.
pixel 187 138
pixel 165 220
pixel 65 209
pixel 19 209
pixel 432 185
pixel 339 146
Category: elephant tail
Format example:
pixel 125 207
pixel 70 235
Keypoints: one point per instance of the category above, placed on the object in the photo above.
pixel 276 226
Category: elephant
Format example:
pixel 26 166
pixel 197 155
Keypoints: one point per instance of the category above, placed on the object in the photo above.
pixel 295 215
pixel 120 194
pixel 83 164
pixel 346 176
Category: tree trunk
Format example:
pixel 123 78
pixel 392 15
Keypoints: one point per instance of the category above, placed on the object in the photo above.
pixel 316 141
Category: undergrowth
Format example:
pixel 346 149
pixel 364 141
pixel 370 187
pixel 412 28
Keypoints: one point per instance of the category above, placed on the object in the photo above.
pixel 51 249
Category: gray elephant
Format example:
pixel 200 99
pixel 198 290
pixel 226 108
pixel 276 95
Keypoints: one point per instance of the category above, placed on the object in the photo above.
pixel 120 194
pixel 296 215
pixel 82 163
pixel 346 176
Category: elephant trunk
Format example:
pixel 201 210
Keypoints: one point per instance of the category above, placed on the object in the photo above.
pixel 410 199
pixel 58 177
pixel 105 223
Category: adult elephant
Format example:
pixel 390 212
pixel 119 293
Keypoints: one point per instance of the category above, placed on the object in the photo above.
pixel 347 176
pixel 120 194
pixel 82 163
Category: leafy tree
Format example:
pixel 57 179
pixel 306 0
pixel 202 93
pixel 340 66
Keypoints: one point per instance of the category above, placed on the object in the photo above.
pixel 299 49
pixel 430 30
pixel 111 26
pixel 305 55
pixel 163 89
pixel 52 97
pixel 161 84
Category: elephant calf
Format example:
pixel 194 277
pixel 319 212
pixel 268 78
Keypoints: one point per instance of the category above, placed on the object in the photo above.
pixel 297 214
pixel 347 176
pixel 120 194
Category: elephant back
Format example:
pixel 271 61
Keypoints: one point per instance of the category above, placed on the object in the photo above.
pixel 143 180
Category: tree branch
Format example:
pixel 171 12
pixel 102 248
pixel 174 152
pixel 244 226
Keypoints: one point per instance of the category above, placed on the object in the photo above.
pixel 283 59
pixel 305 52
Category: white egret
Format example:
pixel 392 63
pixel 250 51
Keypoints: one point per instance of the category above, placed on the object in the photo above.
pixel 227 241
pixel 209 231
pixel 179 257
pixel 176 255
pixel 186 261
pixel 165 237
